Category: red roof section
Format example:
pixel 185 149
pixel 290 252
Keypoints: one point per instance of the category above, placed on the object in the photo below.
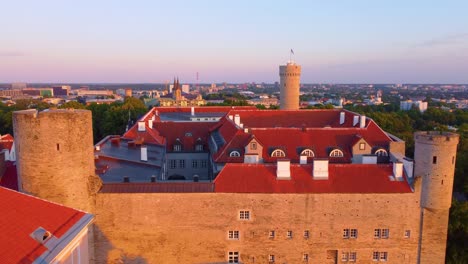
pixel 172 131
pixel 6 141
pixel 148 136
pixel 20 216
pixel 9 179
pixel 343 178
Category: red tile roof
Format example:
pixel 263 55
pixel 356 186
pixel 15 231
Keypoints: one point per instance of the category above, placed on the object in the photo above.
pixel 6 141
pixel 149 136
pixel 172 131
pixel 343 178
pixel 158 187
pixel 9 179
pixel 20 216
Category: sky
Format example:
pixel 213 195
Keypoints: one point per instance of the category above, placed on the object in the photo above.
pixel 151 41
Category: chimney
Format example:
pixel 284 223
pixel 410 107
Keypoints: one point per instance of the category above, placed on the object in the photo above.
pixel 144 153
pixel 363 122
pixel 237 119
pixel 398 170
pixel 231 117
pixel 303 160
pixel 241 125
pixel 283 170
pixel 342 118
pixel 141 126
pixel 150 124
pixel 246 130
pixel 192 111
pixel 355 120
pixel 98 148
pixel 320 170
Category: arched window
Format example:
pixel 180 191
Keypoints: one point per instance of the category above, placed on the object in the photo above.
pixel 336 153
pixel 307 152
pixel 381 152
pixel 234 153
pixel 278 153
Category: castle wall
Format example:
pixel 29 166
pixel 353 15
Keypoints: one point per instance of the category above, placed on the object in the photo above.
pixel 193 227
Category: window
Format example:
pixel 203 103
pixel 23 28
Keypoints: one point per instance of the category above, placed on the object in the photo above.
pixel 278 153
pixel 253 146
pixel 181 163
pixel 199 147
pixel 177 147
pixel 244 215
pixel 352 256
pixel 407 233
pixel 203 163
pixel 381 152
pixel 233 257
pixel 307 152
pixel 289 234
pixel 234 153
pixel 353 233
pixel 336 153
pixel 344 256
pixel 305 257
pixel 172 164
pixel 434 160
pixel 346 233
pixel 376 233
pixel 271 234
pixel 362 146
pixel 233 235
pixel 385 233
pixel 383 256
pixel 58 147
pixel 194 163
pixel 375 256
pixel 306 234
pixel 271 258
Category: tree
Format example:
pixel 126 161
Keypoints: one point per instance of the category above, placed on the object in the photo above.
pixel 72 104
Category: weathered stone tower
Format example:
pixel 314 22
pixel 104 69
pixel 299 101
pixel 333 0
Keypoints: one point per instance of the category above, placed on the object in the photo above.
pixel 435 155
pixel 55 156
pixel 290 75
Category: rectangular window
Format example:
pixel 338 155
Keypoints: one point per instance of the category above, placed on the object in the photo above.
pixel 289 234
pixel 375 256
pixel 233 257
pixel 306 234
pixel 305 257
pixel 362 146
pixel 203 163
pixel 253 146
pixel 407 233
pixel 182 164
pixel 344 256
pixel 385 233
pixel 383 256
pixel 353 233
pixel 271 258
pixel 194 163
pixel 177 147
pixel 233 235
pixel 271 234
pixel 352 256
pixel 172 164
pixel 434 160
pixel 376 233
pixel 346 233
pixel 244 215
pixel 199 147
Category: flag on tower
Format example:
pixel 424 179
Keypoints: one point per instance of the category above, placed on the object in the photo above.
pixel 292 51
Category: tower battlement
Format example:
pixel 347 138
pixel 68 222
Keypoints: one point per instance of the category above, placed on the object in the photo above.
pixel 436 137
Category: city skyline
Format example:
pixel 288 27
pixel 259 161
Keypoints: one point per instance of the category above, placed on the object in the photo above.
pixel 149 42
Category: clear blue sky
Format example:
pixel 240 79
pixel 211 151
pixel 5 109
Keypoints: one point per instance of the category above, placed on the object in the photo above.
pixel 375 41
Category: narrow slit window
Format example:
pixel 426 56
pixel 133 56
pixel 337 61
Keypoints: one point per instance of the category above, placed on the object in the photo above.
pixel 434 160
pixel 58 147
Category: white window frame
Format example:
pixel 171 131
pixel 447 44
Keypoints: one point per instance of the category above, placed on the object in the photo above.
pixel 234 153
pixel 385 233
pixel 271 234
pixel 289 234
pixel 362 146
pixel 375 256
pixel 377 233
pixel 381 152
pixel 278 153
pixel 336 153
pixel 352 256
pixel 407 233
pixel 305 257
pixel 308 153
pixel 233 257
pixel 271 258
pixel 384 256
pixel 306 234
pixel 233 235
pixel 344 256
pixel 244 215
pixel 353 233
pixel 199 147
pixel 177 147
pixel 346 233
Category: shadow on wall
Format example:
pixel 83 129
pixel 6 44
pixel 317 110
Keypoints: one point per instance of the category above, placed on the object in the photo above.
pixel 103 247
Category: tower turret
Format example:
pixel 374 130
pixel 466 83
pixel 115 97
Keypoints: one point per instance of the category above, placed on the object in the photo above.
pixel 290 75
pixel 435 155
pixel 55 157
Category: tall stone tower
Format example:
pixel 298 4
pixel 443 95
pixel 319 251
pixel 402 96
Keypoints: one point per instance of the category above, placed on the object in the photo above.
pixel 290 75
pixel 55 158
pixel 435 155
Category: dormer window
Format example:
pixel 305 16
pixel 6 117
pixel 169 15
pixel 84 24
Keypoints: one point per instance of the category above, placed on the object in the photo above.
pixel 199 145
pixel 234 153
pixel 307 153
pixel 278 153
pixel 177 145
pixel 336 153
pixel 381 152
pixel 253 146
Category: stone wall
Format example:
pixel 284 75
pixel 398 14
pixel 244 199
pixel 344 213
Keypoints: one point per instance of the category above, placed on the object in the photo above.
pixel 193 228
